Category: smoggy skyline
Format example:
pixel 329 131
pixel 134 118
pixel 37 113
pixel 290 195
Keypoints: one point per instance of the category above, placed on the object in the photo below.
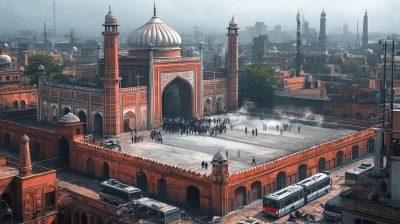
pixel 86 16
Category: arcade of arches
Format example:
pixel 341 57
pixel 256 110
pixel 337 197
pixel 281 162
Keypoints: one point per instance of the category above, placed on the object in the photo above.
pixel 177 99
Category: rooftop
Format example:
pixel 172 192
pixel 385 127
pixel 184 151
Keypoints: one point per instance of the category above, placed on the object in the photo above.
pixel 189 151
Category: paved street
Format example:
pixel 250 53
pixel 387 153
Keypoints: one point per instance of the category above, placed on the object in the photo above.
pixel 253 211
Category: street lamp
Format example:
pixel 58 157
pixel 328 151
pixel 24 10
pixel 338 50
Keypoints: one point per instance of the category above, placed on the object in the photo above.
pixel 9 211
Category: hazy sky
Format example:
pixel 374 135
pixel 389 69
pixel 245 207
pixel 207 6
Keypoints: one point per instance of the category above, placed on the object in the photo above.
pixel 86 16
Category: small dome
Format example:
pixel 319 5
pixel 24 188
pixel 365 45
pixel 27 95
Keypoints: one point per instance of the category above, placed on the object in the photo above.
pixel 5 45
pixel 99 45
pixel 233 21
pixel 323 14
pixel 369 51
pixel 74 49
pixel 4 59
pixel 274 49
pixel 110 18
pixel 156 33
pixel 69 118
pixel 24 138
pixel 220 157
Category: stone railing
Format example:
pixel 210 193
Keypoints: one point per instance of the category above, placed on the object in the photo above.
pixel 298 156
pixel 134 89
pixel 72 87
pixel 183 59
pixel 216 80
pixel 16 127
pixel 140 161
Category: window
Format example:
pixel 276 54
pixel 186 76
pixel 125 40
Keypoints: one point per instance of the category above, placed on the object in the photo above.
pixel 7 77
pixel 50 200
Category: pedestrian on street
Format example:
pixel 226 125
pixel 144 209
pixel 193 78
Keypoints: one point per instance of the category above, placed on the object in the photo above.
pixel 277 128
pixel 161 140
pixel 254 162
pixel 226 154
pixel 202 165
pixel 132 139
pixel 252 131
pixel 206 165
pixel 256 131
pixel 299 130
pixel 245 130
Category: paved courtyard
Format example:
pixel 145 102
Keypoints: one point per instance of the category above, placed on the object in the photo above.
pixel 189 151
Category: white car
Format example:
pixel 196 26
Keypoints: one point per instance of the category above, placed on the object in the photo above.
pixel 248 221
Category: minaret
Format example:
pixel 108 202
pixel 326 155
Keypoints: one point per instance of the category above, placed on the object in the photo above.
pixel 298 47
pixel 233 65
pixel 220 180
pixel 365 31
pixel 41 73
pixel 98 59
pixel 111 124
pixel 25 166
pixel 322 32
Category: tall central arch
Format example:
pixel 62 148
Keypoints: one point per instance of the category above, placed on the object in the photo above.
pixel 177 99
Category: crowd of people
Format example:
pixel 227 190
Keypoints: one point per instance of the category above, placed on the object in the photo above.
pixel 193 126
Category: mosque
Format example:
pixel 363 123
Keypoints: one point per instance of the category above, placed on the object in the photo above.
pixel 153 81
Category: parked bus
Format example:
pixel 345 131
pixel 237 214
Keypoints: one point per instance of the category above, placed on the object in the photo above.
pixel 293 197
pixel 315 186
pixel 332 209
pixel 112 191
pixel 359 174
pixel 156 211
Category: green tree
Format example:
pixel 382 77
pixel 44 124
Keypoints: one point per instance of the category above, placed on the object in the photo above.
pixel 52 67
pixel 257 84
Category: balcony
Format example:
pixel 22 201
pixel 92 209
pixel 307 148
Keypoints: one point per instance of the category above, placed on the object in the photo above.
pixel 362 200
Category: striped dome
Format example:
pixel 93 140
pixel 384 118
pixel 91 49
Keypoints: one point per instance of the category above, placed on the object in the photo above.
pixel 154 33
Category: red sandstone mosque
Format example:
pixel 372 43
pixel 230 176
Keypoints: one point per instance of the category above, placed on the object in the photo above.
pixel 167 84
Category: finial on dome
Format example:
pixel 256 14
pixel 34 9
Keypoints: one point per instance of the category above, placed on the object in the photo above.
pixel 109 8
pixel 233 17
pixel 366 12
pixel 155 10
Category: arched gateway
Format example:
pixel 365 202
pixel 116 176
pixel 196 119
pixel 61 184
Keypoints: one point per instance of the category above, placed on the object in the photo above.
pixel 177 99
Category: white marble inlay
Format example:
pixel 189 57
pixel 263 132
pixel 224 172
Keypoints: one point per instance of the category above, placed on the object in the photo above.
pixel 166 78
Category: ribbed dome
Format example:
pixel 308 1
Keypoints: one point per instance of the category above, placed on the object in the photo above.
pixel 69 118
pixel 155 33
pixel 4 59
pixel 233 21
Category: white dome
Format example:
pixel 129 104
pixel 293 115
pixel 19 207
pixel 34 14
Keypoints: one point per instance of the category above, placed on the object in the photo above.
pixel 75 49
pixel 233 21
pixel 369 51
pixel 154 33
pixel 4 59
pixel 69 118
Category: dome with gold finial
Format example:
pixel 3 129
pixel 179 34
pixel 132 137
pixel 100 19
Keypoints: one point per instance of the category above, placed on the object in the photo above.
pixel 110 19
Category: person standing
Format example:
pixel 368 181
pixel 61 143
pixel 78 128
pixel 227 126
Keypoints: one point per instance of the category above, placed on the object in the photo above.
pixel 277 128
pixel 132 139
pixel 252 131
pixel 238 153
pixel 245 130
pixel 202 165
pixel 299 130
pixel 256 131
pixel 226 154
pixel 254 162
pixel 206 165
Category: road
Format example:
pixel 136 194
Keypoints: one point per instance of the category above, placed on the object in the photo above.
pixel 253 211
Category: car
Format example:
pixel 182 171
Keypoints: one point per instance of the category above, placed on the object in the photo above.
pixel 248 221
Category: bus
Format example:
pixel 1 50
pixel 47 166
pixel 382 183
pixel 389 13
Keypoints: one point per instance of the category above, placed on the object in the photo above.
pixel 283 201
pixel 358 175
pixel 114 192
pixel 332 209
pixel 156 211
pixel 293 197
pixel 316 186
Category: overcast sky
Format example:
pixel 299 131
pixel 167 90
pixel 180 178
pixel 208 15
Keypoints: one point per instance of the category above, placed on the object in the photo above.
pixel 86 16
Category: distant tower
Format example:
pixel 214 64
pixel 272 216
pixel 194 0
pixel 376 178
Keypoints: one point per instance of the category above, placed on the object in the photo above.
pixel 111 124
pixel 322 32
pixel 233 65
pixel 365 31
pixel 25 166
pixel 98 58
pixel 54 17
pixel 298 47
pixel 45 35
pixel 346 29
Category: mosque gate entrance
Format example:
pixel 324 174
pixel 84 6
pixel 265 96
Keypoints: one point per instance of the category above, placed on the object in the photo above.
pixel 177 99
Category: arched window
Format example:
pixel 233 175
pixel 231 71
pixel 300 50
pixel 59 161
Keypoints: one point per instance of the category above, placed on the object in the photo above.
pixel 54 114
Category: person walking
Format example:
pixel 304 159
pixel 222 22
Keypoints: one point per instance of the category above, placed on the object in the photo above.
pixel 277 128
pixel 256 131
pixel 202 165
pixel 254 162
pixel 226 154
pixel 132 139
pixel 238 153
pixel 245 130
pixel 299 130
pixel 206 165
pixel 252 131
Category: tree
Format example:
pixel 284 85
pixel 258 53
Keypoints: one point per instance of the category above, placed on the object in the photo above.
pixel 52 67
pixel 257 84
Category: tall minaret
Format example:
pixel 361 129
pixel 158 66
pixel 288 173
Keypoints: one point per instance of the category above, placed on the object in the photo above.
pixel 111 124
pixel 298 47
pixel 233 64
pixel 322 33
pixel 25 166
pixel 365 31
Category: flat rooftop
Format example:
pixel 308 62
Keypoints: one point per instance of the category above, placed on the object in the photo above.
pixel 189 151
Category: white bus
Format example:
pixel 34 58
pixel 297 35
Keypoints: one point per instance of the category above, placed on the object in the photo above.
pixel 283 201
pixel 315 186
pixel 293 197
pixel 112 191
pixel 157 212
